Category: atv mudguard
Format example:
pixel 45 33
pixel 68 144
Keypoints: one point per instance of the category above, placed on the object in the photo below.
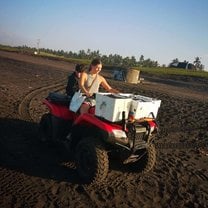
pixel 60 111
pixel 92 120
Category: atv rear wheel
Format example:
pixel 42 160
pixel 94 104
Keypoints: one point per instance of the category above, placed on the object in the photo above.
pixel 91 161
pixel 147 159
pixel 45 128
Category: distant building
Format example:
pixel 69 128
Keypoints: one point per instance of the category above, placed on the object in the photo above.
pixel 182 65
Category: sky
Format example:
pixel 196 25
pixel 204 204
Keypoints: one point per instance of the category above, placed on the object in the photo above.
pixel 161 30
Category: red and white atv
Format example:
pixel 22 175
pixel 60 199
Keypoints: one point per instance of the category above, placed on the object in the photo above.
pixel 92 139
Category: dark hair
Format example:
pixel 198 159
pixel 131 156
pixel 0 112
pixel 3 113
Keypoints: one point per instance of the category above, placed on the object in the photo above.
pixel 95 62
pixel 80 68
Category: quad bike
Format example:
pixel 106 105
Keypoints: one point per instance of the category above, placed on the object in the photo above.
pixel 92 139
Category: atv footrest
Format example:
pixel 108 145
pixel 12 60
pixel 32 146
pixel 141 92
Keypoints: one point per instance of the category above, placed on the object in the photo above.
pixel 131 158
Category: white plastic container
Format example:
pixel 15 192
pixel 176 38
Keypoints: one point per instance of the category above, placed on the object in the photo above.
pixel 110 107
pixel 144 107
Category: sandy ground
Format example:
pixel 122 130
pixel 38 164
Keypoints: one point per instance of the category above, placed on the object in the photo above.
pixel 36 175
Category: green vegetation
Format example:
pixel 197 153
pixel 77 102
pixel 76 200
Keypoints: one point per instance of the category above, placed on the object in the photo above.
pixel 56 57
pixel 8 48
pixel 31 51
pixel 173 71
pixel 110 62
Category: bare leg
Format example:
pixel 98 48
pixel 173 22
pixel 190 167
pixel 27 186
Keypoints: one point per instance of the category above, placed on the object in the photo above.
pixel 84 108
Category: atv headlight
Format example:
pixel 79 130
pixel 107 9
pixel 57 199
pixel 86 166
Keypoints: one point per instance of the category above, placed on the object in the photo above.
pixel 119 137
pixel 119 133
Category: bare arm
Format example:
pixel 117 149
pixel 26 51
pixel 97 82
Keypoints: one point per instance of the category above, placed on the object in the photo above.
pixel 82 81
pixel 106 86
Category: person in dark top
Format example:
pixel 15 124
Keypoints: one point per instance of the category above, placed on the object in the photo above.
pixel 73 80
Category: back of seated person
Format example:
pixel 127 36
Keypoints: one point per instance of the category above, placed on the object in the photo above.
pixel 73 80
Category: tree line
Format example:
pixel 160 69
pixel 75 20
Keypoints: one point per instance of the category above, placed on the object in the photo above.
pixel 117 60
pixel 112 59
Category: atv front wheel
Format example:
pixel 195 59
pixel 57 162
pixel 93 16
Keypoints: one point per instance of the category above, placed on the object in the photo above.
pixel 146 161
pixel 45 128
pixel 91 161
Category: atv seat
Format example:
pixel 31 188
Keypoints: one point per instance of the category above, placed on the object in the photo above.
pixel 58 98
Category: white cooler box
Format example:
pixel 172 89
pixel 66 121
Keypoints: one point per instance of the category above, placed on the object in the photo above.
pixel 143 106
pixel 110 106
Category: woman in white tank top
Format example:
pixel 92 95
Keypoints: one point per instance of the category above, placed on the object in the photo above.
pixel 90 83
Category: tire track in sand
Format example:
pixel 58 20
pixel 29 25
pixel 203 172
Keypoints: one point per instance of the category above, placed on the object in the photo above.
pixel 24 106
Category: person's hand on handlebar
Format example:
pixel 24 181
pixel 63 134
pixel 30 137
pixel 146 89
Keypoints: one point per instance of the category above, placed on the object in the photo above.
pixel 88 94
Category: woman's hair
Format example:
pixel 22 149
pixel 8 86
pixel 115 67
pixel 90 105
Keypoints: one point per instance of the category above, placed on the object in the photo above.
pixel 80 68
pixel 95 62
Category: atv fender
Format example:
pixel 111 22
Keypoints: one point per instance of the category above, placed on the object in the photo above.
pixel 92 120
pixel 88 125
pixel 60 111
